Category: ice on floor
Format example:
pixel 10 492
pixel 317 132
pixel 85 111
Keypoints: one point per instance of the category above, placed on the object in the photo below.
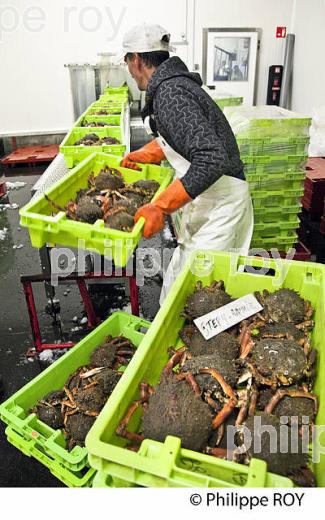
pixel 3 233
pixel 15 185
pixel 3 207
pixel 46 355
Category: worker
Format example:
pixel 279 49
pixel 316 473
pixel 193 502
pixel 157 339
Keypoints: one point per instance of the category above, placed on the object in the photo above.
pixel 192 133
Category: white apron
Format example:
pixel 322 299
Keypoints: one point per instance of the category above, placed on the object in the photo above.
pixel 221 218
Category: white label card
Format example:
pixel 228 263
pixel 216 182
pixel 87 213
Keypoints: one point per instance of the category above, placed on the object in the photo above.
pixel 227 316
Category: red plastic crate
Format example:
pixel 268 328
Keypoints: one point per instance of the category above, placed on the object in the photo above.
pixel 31 155
pixel 314 194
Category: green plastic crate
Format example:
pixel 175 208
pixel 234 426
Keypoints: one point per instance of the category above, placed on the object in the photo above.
pixel 266 121
pixel 58 229
pixel 274 181
pixel 73 479
pixel 111 111
pixel 267 164
pixel 113 97
pixel 276 198
pixel 118 104
pixel 167 464
pixel 114 120
pixel 273 146
pixel 274 229
pixel 75 154
pixel 283 242
pixel 40 438
pixel 287 214
pixel 228 101
pixel 116 90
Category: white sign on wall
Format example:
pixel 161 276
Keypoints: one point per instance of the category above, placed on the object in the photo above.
pixel 229 61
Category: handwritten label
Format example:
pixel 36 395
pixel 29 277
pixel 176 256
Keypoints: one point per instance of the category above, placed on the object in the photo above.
pixel 227 316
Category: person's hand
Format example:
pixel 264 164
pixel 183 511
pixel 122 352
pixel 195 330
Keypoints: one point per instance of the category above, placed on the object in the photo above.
pixel 171 199
pixel 154 219
pixel 150 153
pixel 127 163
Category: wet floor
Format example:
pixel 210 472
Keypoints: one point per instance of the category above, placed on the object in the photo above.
pixel 18 257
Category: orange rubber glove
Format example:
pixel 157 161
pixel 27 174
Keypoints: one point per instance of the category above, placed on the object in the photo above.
pixel 171 199
pixel 150 153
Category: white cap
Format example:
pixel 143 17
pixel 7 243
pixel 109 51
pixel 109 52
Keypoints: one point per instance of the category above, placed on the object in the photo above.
pixel 147 38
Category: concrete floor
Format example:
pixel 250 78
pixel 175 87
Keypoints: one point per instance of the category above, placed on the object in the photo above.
pixel 16 370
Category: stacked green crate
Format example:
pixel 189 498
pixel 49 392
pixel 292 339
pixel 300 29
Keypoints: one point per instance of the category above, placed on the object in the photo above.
pixel 273 144
pixel 227 100
pixel 223 99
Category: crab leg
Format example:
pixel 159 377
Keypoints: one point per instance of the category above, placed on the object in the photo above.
pixel 90 385
pixel 121 429
pixel 242 331
pixel 124 352
pixel 118 339
pixel 220 434
pixel 246 342
pixel 305 342
pixel 54 204
pixel 212 403
pixel 221 453
pixel 66 415
pixel 290 393
pixel 309 310
pixel 230 405
pixel 145 391
pixel 133 447
pixel 91 372
pixel 195 387
pixel 224 413
pixel 122 360
pixel 91 414
pixel 261 379
pixel 253 401
pixel 174 360
pixel 305 325
pixel 70 396
pixel 244 408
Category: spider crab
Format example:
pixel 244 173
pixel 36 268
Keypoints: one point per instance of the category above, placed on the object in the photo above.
pixel 188 411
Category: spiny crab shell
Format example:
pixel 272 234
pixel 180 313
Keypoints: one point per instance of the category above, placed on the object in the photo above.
pixel 205 299
pixel 174 409
pixel 107 179
pixel 120 220
pixel 87 210
pixel 285 305
pixel 223 344
pixel 277 361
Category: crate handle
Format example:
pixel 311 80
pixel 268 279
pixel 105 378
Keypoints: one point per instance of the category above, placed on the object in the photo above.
pixel 272 266
pixel 257 473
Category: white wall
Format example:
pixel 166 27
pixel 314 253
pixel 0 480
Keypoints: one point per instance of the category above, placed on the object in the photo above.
pixel 34 85
pixel 308 24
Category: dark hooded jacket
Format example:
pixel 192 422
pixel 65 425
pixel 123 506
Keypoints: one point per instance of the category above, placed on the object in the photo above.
pixel 192 124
